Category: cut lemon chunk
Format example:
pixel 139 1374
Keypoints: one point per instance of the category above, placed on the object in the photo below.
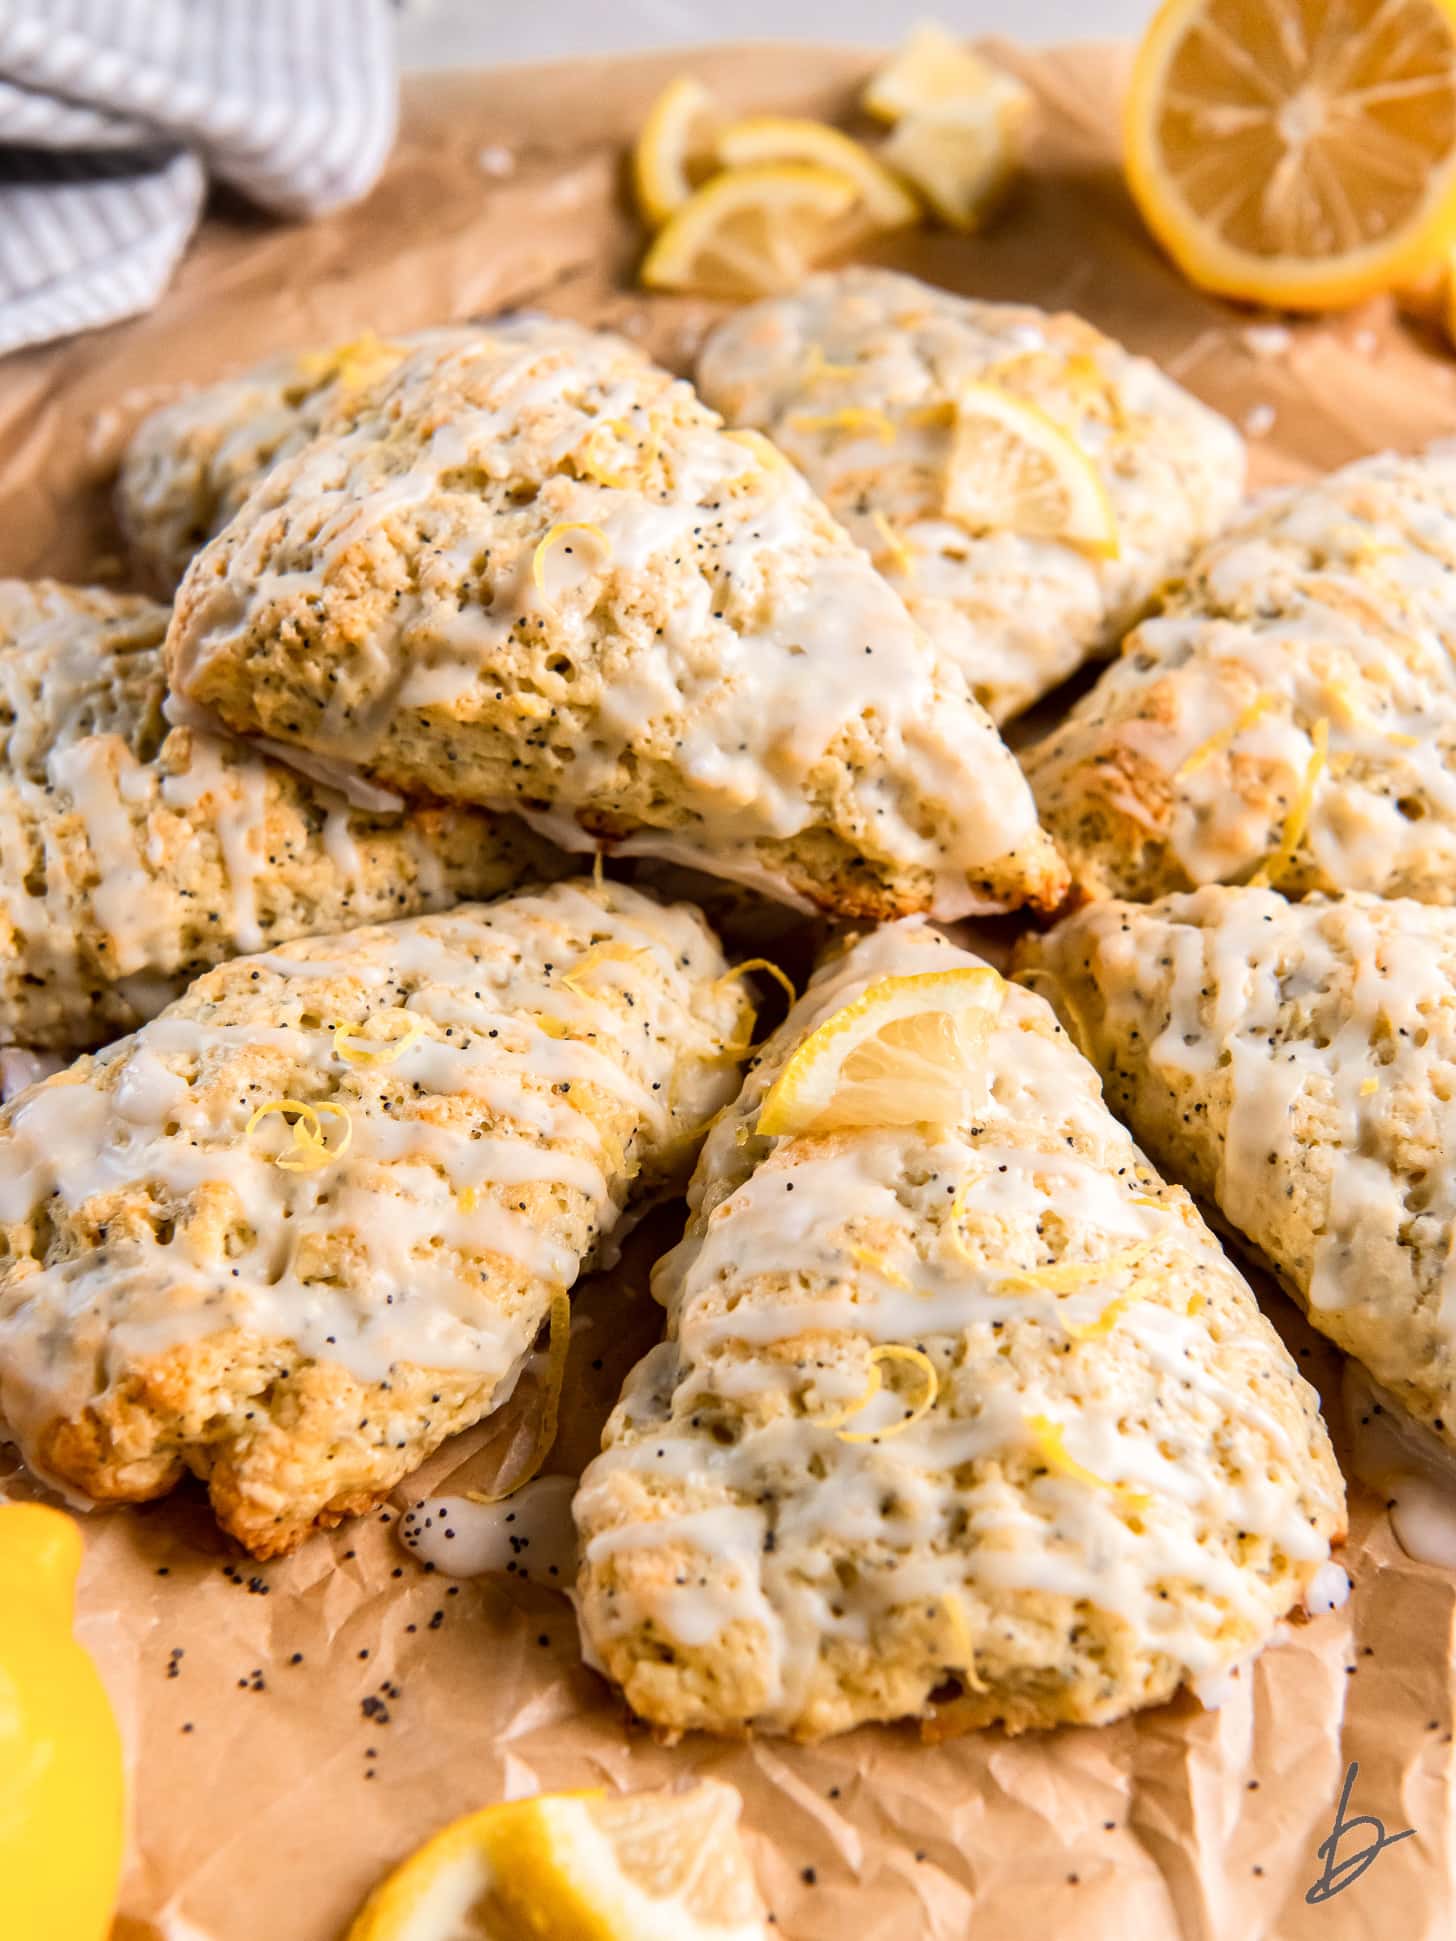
pixel 1297 154
pixel 674 151
pixel 962 159
pixel 1013 469
pixel 909 1051
pixel 751 232
pixel 578 1867
pixel 883 202
pixel 932 69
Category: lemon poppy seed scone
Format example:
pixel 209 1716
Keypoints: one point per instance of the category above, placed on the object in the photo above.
pixel 307 1222
pixel 1295 1064
pixel 1289 715
pixel 134 854
pixel 190 464
pixel 1023 482
pixel 974 1403
pixel 536 572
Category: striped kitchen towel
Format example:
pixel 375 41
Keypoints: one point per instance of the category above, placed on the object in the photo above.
pixel 114 112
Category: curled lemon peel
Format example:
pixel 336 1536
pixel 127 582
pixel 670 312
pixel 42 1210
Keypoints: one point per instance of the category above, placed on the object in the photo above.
pixel 1049 1438
pixel 355 1049
pixel 883 1352
pixel 763 449
pixel 558 1341
pixel 878 1264
pixel 1266 876
pixel 609 953
pixel 554 536
pixel 310 1151
pixel 854 417
pixel 1108 1319
pixel 895 544
pixel 1218 743
pixel 818 367
pixel 1070 1275
pixel 736 1048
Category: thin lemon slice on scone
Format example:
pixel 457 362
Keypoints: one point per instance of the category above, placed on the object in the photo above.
pixel 751 231
pixel 1294 155
pixel 1014 469
pixel 883 202
pixel 907 1052
pixel 674 151
pixel 657 1866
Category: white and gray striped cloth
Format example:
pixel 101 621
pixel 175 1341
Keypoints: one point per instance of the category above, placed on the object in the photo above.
pixel 114 112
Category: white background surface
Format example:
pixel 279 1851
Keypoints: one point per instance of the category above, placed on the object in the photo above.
pixel 475 33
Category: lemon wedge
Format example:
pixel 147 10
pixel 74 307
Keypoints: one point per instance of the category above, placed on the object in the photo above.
pixel 962 159
pixel 674 150
pixel 1295 155
pixel 751 232
pixel 883 202
pixel 1014 469
pixel 909 1051
pixel 932 69
pixel 658 1866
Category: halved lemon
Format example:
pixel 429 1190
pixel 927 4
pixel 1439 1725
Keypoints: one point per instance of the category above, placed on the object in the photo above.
pixel 962 159
pixel 751 232
pixel 884 202
pixel 1014 469
pixel 1295 153
pixel 578 1867
pixel 930 69
pixel 908 1051
pixel 674 151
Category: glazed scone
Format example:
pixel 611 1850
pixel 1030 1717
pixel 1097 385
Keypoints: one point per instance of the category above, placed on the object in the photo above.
pixel 1289 715
pixel 309 1221
pixel 134 855
pixel 536 572
pixel 1121 1481
pixel 1295 1064
pixel 190 464
pixel 856 377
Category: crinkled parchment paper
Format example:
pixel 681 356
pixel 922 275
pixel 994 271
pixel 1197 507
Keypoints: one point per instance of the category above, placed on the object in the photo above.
pixel 296 1727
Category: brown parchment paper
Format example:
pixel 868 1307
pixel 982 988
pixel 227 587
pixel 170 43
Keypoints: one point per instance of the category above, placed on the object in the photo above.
pixel 266 1798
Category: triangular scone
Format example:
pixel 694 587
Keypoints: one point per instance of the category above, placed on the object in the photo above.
pixel 308 1221
pixel 536 572
pixel 190 464
pixel 857 377
pixel 1295 1064
pixel 1289 715
pixel 134 855
pixel 1121 1483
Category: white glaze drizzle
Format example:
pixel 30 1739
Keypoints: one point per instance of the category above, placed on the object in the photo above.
pixel 770 1309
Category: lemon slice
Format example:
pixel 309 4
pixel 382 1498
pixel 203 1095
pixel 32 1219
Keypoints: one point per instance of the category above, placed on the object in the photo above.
pixel 675 148
pixel 1297 155
pixel 883 202
pixel 962 159
pixel 909 1051
pixel 932 69
pixel 751 232
pixel 1013 469
pixel 577 1867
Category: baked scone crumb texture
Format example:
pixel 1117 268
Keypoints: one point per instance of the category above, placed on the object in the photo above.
pixel 1121 1481
pixel 308 1221
pixel 535 571
pixel 856 377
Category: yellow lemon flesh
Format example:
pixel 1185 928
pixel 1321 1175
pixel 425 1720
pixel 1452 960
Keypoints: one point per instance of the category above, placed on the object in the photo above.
pixel 1294 154
pixel 909 1051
